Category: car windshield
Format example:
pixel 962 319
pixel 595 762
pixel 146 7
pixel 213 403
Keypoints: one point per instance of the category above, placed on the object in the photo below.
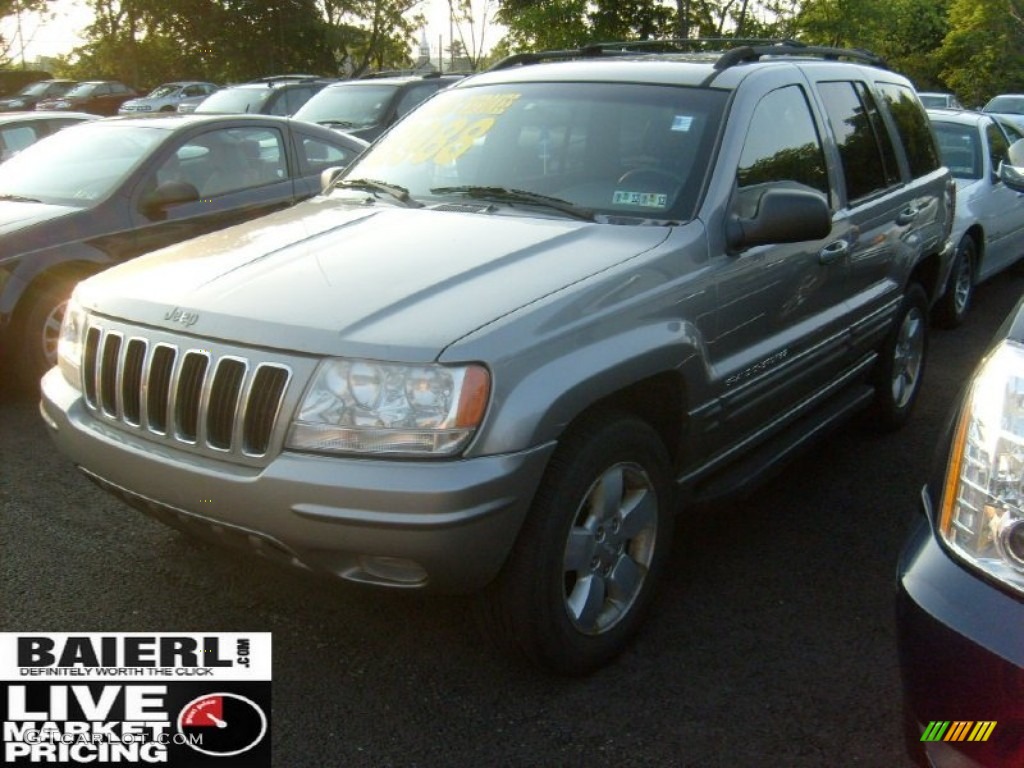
pixel 933 100
pixel 35 89
pixel 82 89
pixel 163 90
pixel 633 153
pixel 960 148
pixel 1012 105
pixel 350 105
pixel 78 165
pixel 236 100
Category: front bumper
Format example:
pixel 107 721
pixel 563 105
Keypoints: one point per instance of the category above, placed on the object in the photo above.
pixel 961 646
pixel 443 525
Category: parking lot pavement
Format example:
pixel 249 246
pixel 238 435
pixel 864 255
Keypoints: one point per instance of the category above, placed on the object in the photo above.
pixel 772 641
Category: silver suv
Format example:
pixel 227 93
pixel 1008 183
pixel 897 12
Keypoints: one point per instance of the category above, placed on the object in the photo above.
pixel 551 309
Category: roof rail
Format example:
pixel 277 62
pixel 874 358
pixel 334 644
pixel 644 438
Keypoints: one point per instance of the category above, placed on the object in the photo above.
pixel 737 51
pixel 748 53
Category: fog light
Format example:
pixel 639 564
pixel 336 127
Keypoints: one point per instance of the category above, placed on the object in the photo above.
pixel 397 570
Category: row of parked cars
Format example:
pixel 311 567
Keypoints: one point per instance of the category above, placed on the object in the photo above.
pixel 557 305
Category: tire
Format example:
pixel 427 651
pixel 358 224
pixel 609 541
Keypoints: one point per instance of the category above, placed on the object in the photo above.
pixel 951 309
pixel 579 580
pixel 39 330
pixel 901 364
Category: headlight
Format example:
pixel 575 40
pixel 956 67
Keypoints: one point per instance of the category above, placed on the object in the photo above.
pixel 17 103
pixel 982 514
pixel 69 345
pixel 368 407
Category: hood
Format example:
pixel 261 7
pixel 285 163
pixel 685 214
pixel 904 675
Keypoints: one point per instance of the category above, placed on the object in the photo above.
pixel 16 216
pixel 388 283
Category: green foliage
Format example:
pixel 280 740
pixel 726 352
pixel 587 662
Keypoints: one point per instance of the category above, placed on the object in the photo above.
pixel 981 55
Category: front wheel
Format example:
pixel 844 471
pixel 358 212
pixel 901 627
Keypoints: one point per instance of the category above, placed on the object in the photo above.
pixel 583 571
pixel 951 309
pixel 40 331
pixel 899 371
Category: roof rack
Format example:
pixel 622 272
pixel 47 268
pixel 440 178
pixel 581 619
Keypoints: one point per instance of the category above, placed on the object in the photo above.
pixel 737 51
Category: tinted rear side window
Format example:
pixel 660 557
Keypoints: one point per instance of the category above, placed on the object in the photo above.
pixel 912 126
pixel 859 148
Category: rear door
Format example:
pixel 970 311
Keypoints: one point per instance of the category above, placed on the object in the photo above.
pixel 887 217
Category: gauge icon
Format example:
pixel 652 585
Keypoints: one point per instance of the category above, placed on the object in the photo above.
pixel 222 724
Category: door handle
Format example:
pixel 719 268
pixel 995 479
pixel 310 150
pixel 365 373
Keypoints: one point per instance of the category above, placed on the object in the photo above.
pixel 833 251
pixel 907 215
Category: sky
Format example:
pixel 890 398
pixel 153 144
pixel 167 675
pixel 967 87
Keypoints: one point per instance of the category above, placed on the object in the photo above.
pixel 51 37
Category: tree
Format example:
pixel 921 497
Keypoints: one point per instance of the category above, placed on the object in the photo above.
pixel 10 49
pixel 982 53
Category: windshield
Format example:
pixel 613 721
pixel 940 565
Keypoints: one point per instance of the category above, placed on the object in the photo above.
pixel 83 89
pixel 353 105
pixel 78 165
pixel 236 100
pixel 1013 105
pixel 623 150
pixel 933 100
pixel 36 89
pixel 163 90
pixel 960 148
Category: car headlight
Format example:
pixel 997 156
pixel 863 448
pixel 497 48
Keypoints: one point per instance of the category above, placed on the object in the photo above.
pixel 69 344
pixel 982 513
pixel 369 407
pixel 16 103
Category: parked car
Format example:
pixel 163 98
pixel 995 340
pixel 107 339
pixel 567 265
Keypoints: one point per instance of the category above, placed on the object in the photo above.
pixel 99 97
pixel 108 190
pixel 13 80
pixel 939 100
pixel 960 605
pixel 544 313
pixel 167 97
pixel 21 129
pixel 366 108
pixel 988 227
pixel 281 95
pixel 32 94
pixel 1009 106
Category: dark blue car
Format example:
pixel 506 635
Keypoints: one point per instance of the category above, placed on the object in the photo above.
pixel 960 606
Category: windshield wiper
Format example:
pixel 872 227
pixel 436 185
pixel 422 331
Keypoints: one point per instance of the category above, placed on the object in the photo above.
pixel 401 194
pixel 19 199
pixel 338 123
pixel 503 195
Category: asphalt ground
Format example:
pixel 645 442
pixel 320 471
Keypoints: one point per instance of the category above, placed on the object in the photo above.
pixel 772 642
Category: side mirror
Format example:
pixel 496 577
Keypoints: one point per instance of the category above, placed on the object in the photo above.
pixel 1011 171
pixel 779 215
pixel 169 193
pixel 328 176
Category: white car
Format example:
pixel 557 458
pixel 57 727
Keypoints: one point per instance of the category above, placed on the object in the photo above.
pixel 988 228
pixel 167 97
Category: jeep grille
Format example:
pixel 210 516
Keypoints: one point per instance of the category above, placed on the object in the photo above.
pixel 184 393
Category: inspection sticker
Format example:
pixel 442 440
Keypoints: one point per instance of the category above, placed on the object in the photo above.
pixel 641 199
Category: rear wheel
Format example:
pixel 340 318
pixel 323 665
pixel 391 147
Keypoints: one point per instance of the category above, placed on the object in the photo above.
pixel 951 309
pixel 583 571
pixel 899 371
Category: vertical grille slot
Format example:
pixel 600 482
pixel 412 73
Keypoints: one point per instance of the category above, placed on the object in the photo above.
pixel 220 413
pixel 131 381
pixel 158 391
pixel 212 400
pixel 92 345
pixel 108 373
pixel 190 390
pixel 268 387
